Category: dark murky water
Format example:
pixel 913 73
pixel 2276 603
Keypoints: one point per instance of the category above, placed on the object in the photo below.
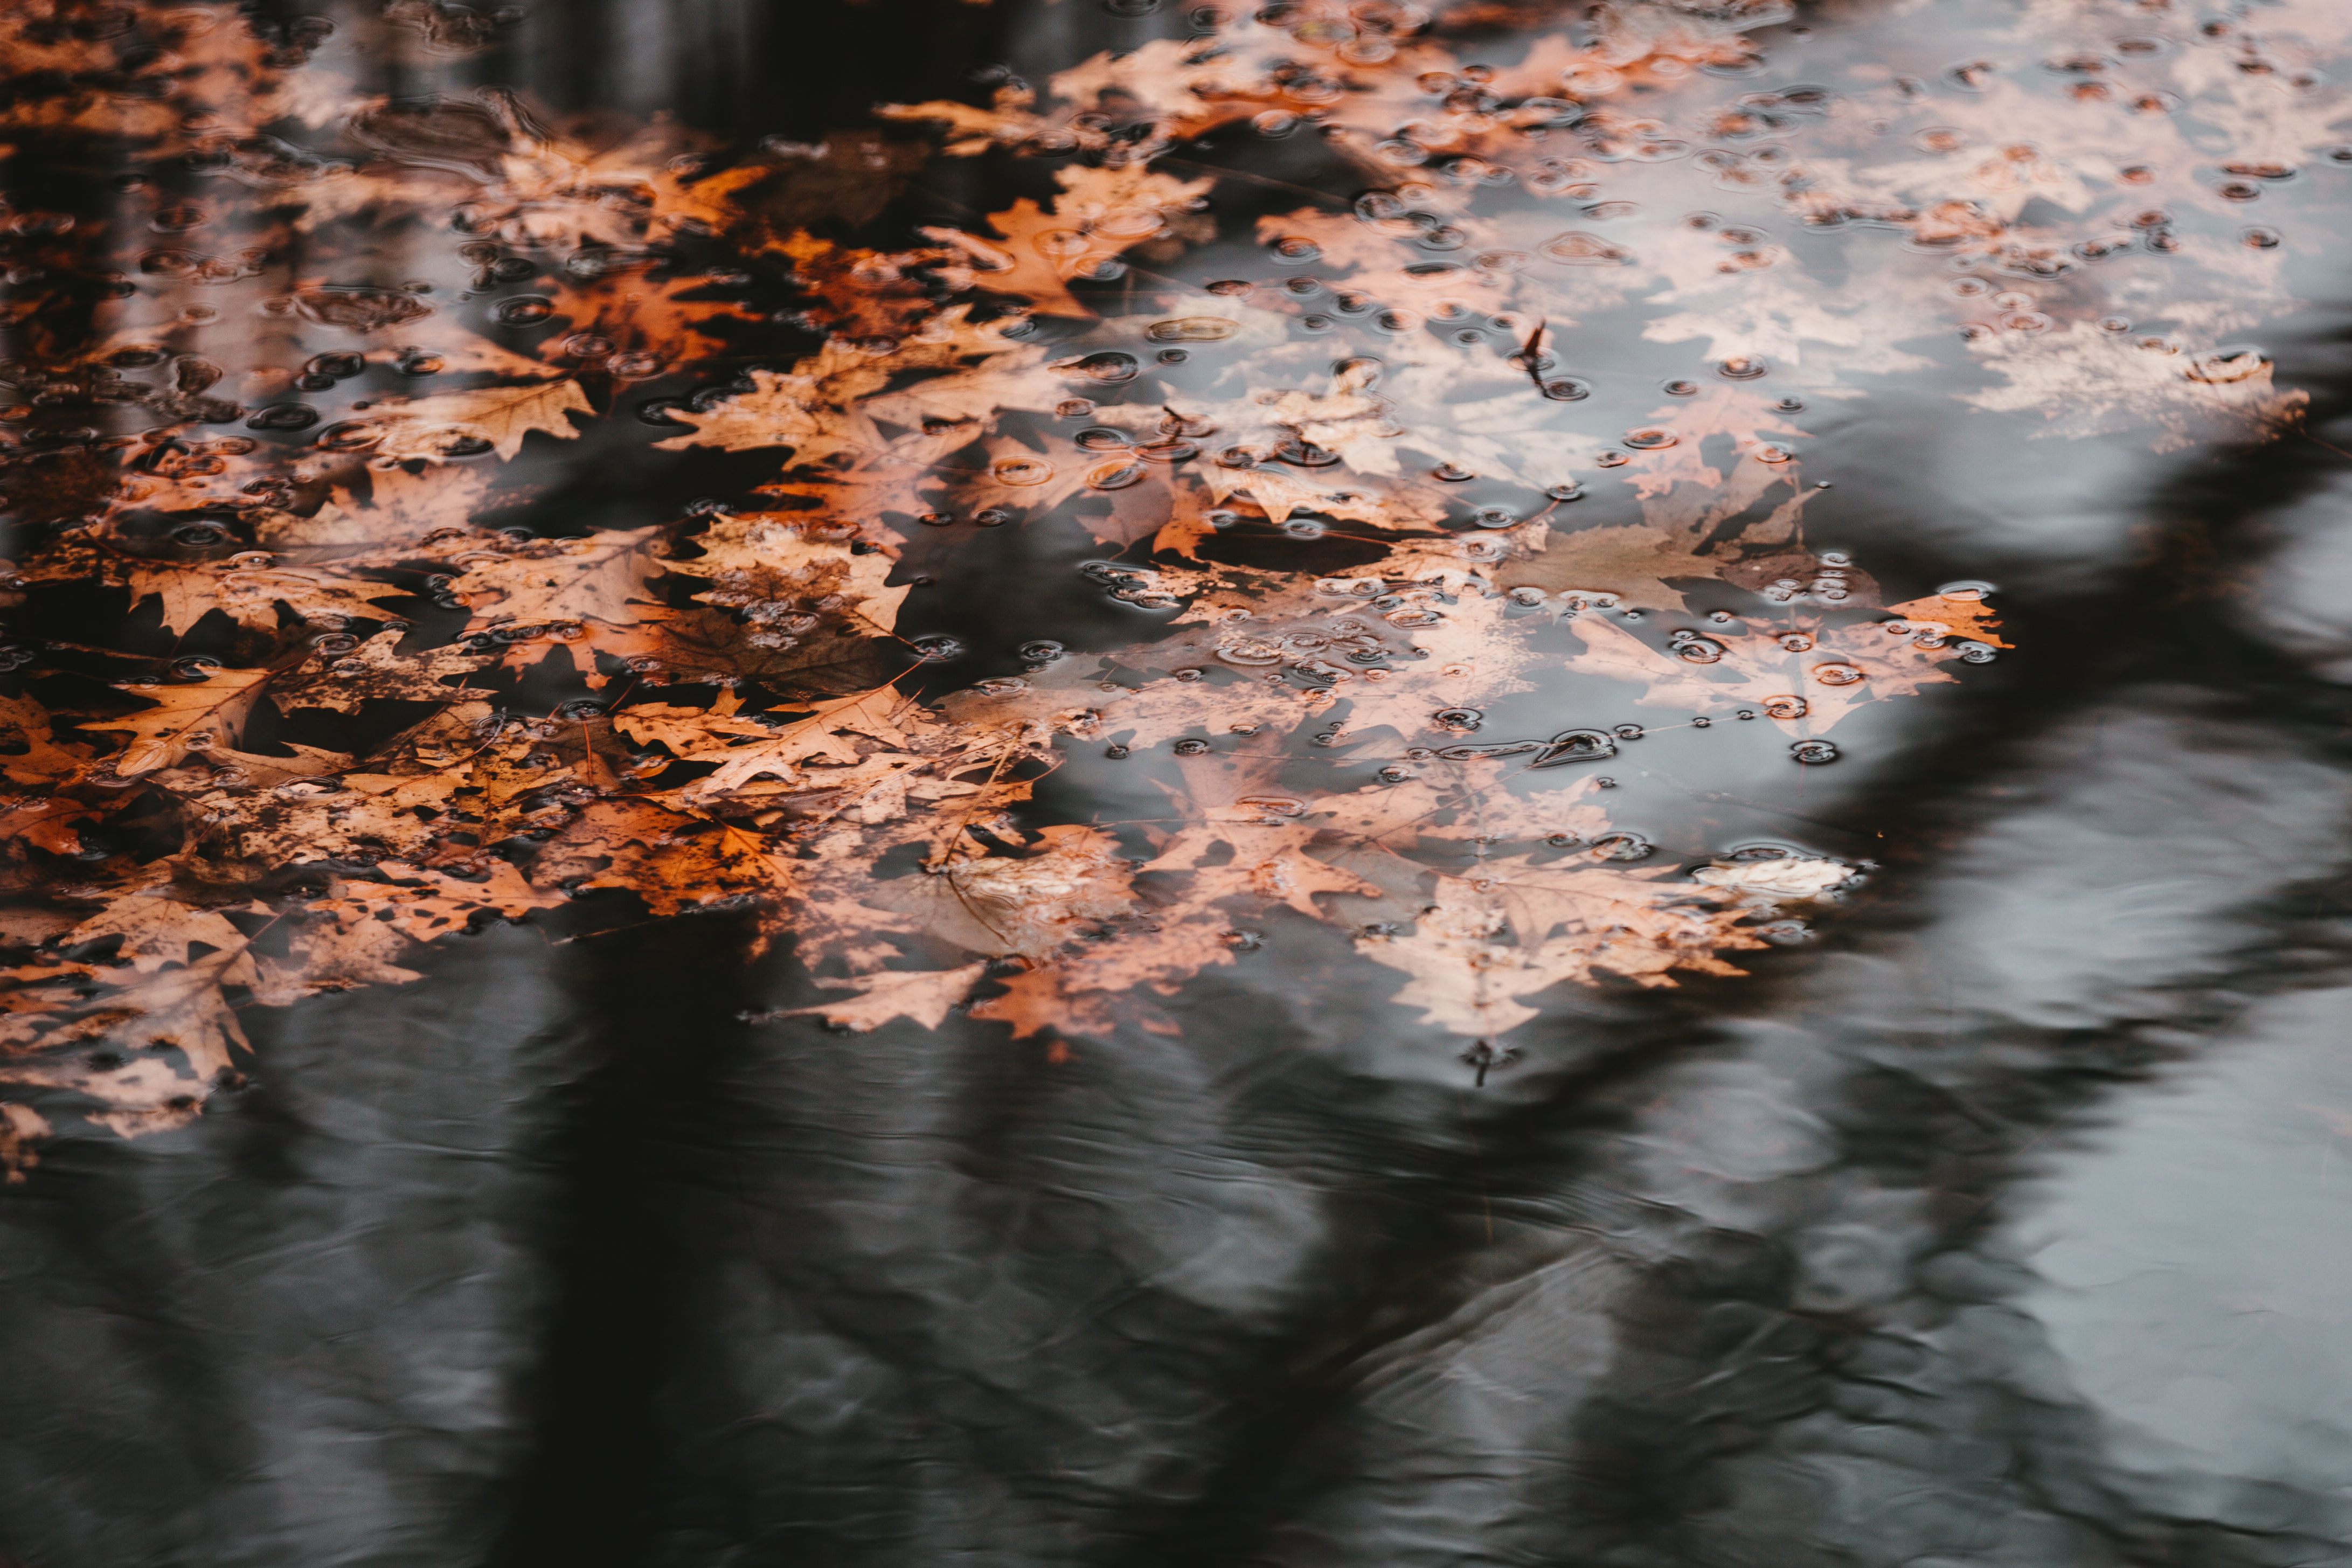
pixel 2000 1223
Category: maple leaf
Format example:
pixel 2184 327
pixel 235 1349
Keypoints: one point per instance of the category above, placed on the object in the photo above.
pixel 181 717
pixel 435 428
pixel 377 671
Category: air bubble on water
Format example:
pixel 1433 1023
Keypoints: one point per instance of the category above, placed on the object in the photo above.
pixel 1114 752
pixel 1837 674
pixel 1451 473
pixel 1784 708
pixel 524 311
pixel 935 519
pixel 1495 517
pixel 1651 437
pixel 1740 367
pixel 1253 652
pixel 1796 642
pixel 1813 754
pixel 1195 329
pixel 1021 472
pixel 283 417
pixel 1566 492
pixel 1190 747
pixel 1045 650
pixel 1621 846
pixel 1115 476
pixel 936 648
pixel 1698 650
pixel 1110 367
pixel 1567 389
pixel 1772 452
pixel 1976 652
pixel 1968 590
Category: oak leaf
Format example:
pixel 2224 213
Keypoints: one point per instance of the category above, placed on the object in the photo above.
pixel 181 717
pixel 925 996
pixel 430 427
pixel 377 671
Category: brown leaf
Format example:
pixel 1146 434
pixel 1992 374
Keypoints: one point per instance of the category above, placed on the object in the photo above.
pixel 1630 561
pixel 377 671
pixel 429 428
pixel 927 997
pixel 181 717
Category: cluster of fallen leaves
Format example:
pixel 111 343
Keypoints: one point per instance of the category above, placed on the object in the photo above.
pixel 265 430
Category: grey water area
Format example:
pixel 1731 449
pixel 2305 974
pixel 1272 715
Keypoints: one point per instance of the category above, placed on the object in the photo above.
pixel 2004 1226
